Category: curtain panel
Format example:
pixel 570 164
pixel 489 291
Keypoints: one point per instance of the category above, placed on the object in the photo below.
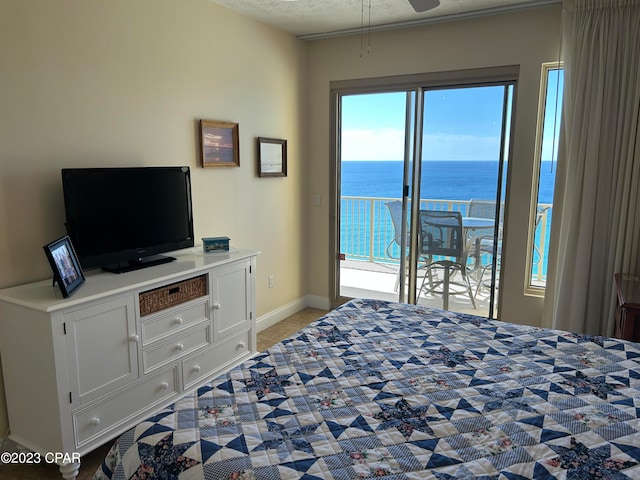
pixel 596 230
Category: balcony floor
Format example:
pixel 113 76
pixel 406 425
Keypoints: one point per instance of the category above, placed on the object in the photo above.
pixel 361 279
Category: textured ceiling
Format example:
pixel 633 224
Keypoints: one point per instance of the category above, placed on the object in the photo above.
pixel 310 18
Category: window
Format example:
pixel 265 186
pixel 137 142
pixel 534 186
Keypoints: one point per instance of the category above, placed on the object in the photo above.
pixel 546 154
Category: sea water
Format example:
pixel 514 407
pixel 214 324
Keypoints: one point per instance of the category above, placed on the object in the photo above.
pixel 445 180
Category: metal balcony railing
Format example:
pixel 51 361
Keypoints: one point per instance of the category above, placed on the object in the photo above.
pixel 367 230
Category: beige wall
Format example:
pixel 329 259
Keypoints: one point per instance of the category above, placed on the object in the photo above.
pixel 121 82
pixel 526 38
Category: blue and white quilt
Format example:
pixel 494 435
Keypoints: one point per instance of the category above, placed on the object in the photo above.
pixel 379 389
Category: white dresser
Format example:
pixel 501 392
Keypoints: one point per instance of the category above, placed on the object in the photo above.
pixel 80 371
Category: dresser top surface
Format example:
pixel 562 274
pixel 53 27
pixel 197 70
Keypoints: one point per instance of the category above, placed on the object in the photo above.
pixel 44 296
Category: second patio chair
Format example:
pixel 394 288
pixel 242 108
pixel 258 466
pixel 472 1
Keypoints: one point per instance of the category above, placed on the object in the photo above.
pixel 442 243
pixel 485 250
pixel 395 211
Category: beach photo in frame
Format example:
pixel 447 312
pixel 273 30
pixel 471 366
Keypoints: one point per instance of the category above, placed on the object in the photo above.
pixel 272 157
pixel 219 144
pixel 67 272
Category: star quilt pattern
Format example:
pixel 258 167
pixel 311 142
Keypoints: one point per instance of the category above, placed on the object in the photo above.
pixel 382 389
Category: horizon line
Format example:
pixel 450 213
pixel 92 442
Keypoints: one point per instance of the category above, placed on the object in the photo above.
pixel 432 160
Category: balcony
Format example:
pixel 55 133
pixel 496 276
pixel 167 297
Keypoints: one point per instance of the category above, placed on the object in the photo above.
pixel 370 270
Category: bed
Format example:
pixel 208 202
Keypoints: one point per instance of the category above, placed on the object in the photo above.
pixel 381 389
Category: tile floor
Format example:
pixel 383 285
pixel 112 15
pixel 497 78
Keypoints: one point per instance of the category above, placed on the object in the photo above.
pixel 92 461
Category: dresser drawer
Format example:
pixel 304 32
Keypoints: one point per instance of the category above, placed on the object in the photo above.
pixel 176 348
pixel 106 415
pixel 179 318
pixel 209 362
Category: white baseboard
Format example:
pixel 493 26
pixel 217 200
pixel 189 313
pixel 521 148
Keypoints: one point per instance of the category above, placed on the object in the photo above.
pixel 321 303
pixel 275 316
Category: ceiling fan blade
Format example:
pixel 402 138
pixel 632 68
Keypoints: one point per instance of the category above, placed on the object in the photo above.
pixel 424 5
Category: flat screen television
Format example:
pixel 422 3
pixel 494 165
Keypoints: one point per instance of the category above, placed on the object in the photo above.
pixel 121 219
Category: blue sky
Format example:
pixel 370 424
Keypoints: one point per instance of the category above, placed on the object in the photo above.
pixel 555 85
pixel 459 124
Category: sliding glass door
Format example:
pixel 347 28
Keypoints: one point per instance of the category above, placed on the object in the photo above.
pixel 375 144
pixel 403 155
pixel 463 167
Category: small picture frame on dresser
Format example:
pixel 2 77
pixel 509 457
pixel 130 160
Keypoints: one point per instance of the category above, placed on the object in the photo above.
pixel 67 272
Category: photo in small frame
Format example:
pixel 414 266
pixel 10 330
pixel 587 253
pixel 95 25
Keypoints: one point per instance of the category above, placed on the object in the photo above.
pixel 67 272
pixel 220 145
pixel 272 157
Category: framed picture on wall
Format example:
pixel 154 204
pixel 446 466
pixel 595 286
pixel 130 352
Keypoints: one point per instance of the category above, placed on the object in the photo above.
pixel 272 157
pixel 67 272
pixel 219 144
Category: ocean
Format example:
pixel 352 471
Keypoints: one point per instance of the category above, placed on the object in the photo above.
pixel 445 180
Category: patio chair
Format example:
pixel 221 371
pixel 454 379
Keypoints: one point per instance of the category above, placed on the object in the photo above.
pixel 485 209
pixel 442 243
pixel 395 211
pixel 483 245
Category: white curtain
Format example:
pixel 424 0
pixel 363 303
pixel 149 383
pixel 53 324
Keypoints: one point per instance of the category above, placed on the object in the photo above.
pixel 596 231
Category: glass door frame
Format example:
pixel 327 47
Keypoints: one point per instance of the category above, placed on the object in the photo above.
pixel 415 83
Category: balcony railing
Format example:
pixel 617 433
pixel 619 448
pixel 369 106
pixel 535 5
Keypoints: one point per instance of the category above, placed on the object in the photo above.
pixel 367 230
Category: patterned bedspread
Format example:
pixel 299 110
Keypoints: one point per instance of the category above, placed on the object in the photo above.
pixel 404 392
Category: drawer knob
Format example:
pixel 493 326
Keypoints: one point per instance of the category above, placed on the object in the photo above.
pixel 164 385
pixel 180 347
pixel 95 422
pixel 216 306
pixel 178 321
pixel 196 368
pixel 134 338
pixel 241 345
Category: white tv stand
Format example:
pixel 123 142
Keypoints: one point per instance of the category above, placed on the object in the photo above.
pixel 80 371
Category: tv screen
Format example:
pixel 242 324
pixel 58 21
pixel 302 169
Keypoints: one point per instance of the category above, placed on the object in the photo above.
pixel 120 219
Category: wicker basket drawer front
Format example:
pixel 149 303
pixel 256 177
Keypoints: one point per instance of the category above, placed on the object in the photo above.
pixel 167 296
